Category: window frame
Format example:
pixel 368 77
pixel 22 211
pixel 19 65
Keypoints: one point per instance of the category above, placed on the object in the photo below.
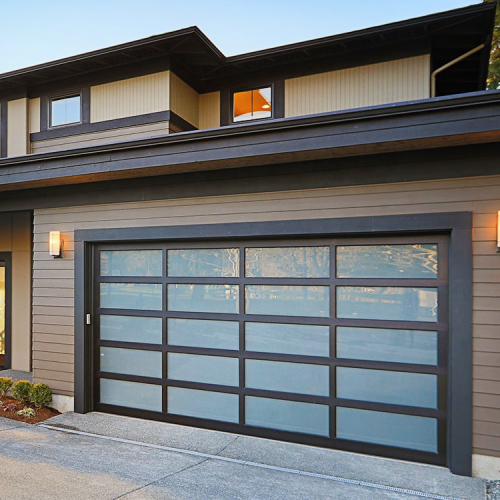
pixel 235 91
pixel 58 97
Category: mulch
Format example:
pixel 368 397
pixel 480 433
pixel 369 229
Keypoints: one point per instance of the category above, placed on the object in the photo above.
pixel 10 406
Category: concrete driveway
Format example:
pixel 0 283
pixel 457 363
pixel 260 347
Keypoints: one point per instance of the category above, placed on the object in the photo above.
pixel 97 456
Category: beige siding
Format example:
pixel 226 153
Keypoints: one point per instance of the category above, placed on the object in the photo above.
pixel 107 136
pixel 130 97
pixel 17 127
pixel 34 115
pixel 209 110
pixel 15 237
pixel 184 100
pixel 53 310
pixel 370 85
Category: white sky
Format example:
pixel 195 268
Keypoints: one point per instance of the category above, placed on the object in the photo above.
pixel 38 31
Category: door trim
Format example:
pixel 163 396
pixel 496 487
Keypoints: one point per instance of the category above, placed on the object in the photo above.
pixel 6 258
pixel 458 225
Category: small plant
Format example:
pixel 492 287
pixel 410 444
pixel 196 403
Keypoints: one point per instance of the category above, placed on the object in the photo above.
pixel 21 391
pixel 5 385
pixel 40 395
pixel 10 407
pixel 26 412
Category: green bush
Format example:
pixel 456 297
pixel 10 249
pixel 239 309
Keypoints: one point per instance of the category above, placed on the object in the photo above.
pixel 21 391
pixel 5 385
pixel 40 395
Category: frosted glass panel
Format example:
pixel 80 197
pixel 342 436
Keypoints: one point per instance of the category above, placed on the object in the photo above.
pixel 205 369
pixel 201 263
pixel 131 329
pixel 380 386
pixel 203 298
pixel 287 262
pixel 131 394
pixel 292 416
pixel 392 303
pixel 402 431
pixel 131 362
pixel 305 340
pixel 139 296
pixel 288 377
pixel 202 333
pixel 388 261
pixel 131 263
pixel 398 346
pixel 2 313
pixel 288 300
pixel 203 404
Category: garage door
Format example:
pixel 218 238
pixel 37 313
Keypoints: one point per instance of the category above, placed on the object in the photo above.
pixel 338 343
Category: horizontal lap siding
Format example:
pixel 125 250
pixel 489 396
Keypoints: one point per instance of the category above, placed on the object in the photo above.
pixel 53 309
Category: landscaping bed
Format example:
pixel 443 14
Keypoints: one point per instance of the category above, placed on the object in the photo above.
pixel 9 408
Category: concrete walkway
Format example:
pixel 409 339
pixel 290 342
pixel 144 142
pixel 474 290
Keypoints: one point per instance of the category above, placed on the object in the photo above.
pixel 97 456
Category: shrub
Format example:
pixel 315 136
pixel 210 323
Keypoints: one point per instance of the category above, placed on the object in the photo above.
pixel 21 391
pixel 40 395
pixel 26 412
pixel 5 385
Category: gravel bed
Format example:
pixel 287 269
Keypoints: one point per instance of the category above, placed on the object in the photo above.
pixel 493 489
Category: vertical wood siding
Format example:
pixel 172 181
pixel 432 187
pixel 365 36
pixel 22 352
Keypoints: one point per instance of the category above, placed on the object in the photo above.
pixel 210 110
pixel 53 278
pixel 130 97
pixel 17 127
pixel 184 100
pixel 34 118
pixel 370 85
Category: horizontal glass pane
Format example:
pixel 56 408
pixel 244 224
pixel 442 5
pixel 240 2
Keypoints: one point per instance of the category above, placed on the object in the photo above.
pixel 203 404
pixel 287 377
pixel 288 300
pixel 131 362
pixel 203 298
pixel 287 262
pixel 65 110
pixel 388 261
pixel 380 386
pixel 131 263
pixel 131 394
pixel 204 369
pixel 292 416
pixel 202 333
pixel 390 429
pixel 305 340
pixel 391 303
pixel 131 329
pixel 378 344
pixel 201 263
pixel 140 296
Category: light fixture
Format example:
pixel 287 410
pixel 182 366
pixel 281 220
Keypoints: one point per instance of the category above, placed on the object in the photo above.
pixel 498 231
pixel 266 106
pixel 55 244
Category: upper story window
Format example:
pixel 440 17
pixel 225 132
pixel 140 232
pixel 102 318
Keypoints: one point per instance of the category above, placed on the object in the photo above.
pixel 252 104
pixel 66 110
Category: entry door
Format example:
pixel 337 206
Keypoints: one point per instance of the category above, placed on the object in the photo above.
pixel 5 270
pixel 337 343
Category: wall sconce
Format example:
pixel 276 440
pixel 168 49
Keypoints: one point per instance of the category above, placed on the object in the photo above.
pixel 55 244
pixel 498 232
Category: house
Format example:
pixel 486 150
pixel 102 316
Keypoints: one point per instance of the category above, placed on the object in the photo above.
pixel 298 243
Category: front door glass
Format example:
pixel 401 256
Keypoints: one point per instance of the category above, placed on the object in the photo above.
pixel 2 315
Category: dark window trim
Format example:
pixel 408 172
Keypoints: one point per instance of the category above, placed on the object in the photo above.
pixel 45 109
pixel 3 129
pixel 6 259
pixel 458 225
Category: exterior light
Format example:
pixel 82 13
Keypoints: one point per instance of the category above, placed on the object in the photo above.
pixel 498 232
pixel 55 244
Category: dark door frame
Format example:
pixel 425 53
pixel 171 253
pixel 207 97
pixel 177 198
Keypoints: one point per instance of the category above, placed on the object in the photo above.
pixel 458 225
pixel 6 261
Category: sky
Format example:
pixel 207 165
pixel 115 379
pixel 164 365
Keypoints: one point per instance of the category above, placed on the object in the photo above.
pixel 38 31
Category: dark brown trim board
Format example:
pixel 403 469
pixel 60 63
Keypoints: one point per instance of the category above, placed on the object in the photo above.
pixel 456 225
pixel 3 129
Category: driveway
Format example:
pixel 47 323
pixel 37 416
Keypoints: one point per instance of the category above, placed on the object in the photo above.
pixel 97 456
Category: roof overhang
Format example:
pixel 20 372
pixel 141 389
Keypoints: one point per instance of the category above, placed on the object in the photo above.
pixel 431 123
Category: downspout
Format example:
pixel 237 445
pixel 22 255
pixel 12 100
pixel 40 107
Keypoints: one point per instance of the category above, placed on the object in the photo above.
pixel 451 63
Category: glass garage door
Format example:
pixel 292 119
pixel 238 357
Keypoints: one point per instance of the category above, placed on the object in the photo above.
pixel 337 343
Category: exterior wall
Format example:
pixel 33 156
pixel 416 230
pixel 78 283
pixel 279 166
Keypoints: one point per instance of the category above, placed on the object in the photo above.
pixel 184 100
pixel 130 97
pixel 209 110
pixel 106 136
pixel 15 237
pixel 382 83
pixel 17 127
pixel 34 115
